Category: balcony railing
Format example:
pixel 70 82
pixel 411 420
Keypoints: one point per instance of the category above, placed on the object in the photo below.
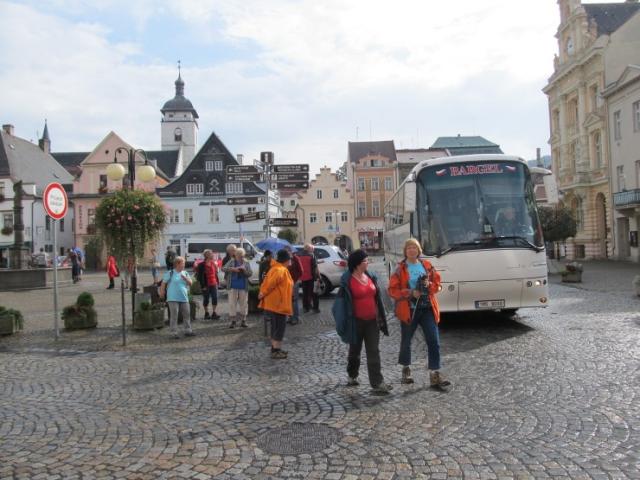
pixel 629 198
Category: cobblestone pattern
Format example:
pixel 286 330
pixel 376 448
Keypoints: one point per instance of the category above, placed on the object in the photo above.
pixel 551 394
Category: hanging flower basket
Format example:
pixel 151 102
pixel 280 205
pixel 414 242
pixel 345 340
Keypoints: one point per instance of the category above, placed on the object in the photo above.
pixel 7 230
pixel 128 220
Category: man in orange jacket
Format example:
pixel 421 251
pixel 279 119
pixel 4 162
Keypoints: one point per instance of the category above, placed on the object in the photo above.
pixel 275 300
pixel 414 286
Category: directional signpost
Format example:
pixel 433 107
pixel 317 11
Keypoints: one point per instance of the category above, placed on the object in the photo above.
pixel 55 204
pixel 250 217
pixel 292 168
pixel 283 222
pixel 245 200
pixel 244 173
pixel 290 177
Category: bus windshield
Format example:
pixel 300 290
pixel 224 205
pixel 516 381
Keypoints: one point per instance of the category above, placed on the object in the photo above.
pixel 477 205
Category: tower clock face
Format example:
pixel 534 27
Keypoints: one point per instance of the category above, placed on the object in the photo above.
pixel 570 46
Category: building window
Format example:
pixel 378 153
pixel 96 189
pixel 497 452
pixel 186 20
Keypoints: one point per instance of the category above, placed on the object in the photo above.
pixel 319 194
pixel 572 112
pixel 375 162
pixel 214 215
pixel 593 95
pixel 313 218
pixel 233 187
pixel 336 193
pixel 208 165
pixel 360 184
pixel 388 184
pixel 102 188
pixel 282 203
pixel 47 223
pixel 2 189
pixel 579 213
pixel 328 217
pixel 188 215
pixel 636 116
pixel 177 135
pixel 91 216
pixel 218 165
pixel 174 216
pixel 61 223
pixel 7 219
pixel 597 149
pixel 251 209
pixel 620 175
pixel 292 203
pixel 237 211
pixel 362 208
pixel 195 189
pixel 375 208
pixel 344 217
pixel 617 125
pixel 573 154
pixel 375 184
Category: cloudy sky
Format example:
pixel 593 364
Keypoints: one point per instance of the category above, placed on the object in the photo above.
pixel 297 77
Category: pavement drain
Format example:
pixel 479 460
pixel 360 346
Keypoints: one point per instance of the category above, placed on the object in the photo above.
pixel 298 438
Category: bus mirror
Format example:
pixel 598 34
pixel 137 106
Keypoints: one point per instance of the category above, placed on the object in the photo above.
pixel 409 197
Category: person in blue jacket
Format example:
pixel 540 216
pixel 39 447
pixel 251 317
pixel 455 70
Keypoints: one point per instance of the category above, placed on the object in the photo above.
pixel 360 317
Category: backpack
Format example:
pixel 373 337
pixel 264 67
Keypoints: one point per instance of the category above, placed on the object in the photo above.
pixel 169 257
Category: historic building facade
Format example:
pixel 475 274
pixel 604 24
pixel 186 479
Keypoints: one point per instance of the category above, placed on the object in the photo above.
pixel 372 177
pixel 578 123
pixel 325 212
pixel 179 125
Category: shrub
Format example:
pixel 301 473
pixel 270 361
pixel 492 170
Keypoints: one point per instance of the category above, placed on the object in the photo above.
pixel 85 299
pixel 14 317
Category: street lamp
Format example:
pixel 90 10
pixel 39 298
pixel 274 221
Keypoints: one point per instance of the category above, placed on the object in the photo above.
pixel 147 173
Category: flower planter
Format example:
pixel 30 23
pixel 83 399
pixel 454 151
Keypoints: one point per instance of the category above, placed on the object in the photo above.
pixel 10 323
pixel 80 318
pixel 148 319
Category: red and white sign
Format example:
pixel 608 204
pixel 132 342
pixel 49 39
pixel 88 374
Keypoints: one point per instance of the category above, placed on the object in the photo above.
pixel 55 201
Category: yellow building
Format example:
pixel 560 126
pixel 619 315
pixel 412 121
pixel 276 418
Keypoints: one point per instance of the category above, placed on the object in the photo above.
pixel 578 120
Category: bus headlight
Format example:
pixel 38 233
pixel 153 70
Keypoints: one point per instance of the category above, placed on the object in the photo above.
pixel 537 283
pixel 451 288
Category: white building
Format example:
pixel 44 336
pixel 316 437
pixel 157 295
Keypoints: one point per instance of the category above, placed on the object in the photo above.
pixel 179 126
pixel 21 160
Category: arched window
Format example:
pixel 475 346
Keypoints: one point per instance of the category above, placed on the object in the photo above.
pixel 177 135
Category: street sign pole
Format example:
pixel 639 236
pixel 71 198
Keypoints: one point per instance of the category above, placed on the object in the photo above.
pixel 55 280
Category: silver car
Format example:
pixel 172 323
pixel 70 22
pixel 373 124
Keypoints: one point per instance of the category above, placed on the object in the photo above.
pixel 331 263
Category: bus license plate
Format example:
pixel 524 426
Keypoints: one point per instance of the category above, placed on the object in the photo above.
pixel 489 303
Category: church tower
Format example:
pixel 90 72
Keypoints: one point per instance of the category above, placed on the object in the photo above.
pixel 179 125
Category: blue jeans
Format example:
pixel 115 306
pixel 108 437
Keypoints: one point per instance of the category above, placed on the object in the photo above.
pixel 425 319
pixel 296 305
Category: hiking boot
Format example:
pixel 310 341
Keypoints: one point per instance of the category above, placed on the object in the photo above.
pixel 243 324
pixel 207 316
pixel 406 376
pixel 382 388
pixel 353 382
pixel 437 381
pixel 233 324
pixel 278 354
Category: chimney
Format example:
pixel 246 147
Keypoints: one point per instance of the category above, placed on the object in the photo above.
pixel 8 129
pixel 538 158
pixel 240 158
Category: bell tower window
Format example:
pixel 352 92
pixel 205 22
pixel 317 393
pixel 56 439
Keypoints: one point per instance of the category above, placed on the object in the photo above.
pixel 177 135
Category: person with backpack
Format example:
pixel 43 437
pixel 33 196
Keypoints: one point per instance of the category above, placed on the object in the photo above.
pixel 275 299
pixel 360 317
pixel 295 270
pixel 265 263
pixel 310 274
pixel 237 272
pixel 207 276
pixel 414 286
pixel 175 288
pixel 169 257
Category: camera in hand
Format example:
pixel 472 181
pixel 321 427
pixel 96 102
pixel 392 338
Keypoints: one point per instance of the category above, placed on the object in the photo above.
pixel 423 301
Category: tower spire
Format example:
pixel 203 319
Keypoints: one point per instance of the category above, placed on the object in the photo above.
pixel 45 142
pixel 179 83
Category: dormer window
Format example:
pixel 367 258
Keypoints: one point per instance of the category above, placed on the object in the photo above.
pixel 177 135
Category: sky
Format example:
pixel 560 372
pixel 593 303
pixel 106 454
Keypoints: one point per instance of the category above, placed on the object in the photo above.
pixel 300 78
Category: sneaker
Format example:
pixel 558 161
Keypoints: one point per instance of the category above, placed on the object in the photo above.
pixel 233 324
pixel 278 354
pixel 437 381
pixel 353 382
pixel 207 316
pixel 244 324
pixel 190 334
pixel 406 376
pixel 382 388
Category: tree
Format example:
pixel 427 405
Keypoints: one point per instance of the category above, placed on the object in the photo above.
pixel 288 234
pixel 341 173
pixel 558 223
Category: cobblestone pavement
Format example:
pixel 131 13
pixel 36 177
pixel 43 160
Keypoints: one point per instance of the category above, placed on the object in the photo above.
pixel 550 394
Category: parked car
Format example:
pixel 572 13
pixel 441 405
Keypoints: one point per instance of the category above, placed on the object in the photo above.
pixel 331 263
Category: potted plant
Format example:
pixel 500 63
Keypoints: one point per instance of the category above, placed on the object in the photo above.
pixel 8 230
pixel 11 321
pixel 572 273
pixel 149 316
pixel 252 300
pixel 81 314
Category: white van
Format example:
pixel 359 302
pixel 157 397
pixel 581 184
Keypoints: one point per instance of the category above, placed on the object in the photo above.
pixel 194 247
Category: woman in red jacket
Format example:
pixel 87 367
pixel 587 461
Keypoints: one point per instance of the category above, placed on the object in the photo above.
pixel 414 286
pixel 112 271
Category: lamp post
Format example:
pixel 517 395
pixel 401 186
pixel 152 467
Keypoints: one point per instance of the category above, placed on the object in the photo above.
pixel 147 173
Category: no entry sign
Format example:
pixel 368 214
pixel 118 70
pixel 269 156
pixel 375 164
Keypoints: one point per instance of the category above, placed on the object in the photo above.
pixel 55 201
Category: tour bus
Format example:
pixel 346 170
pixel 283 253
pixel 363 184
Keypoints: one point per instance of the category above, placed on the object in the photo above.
pixel 194 246
pixel 476 219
